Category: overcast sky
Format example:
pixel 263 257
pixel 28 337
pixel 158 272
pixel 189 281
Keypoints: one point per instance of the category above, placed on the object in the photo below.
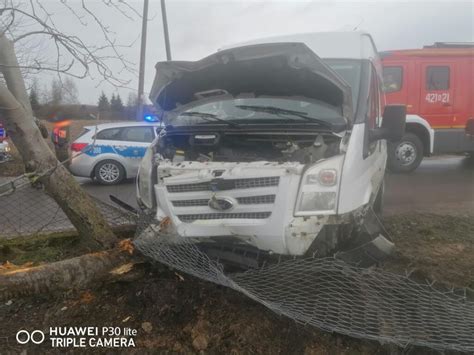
pixel 198 28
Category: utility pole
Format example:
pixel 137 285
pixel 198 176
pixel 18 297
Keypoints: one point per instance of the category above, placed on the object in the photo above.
pixel 141 75
pixel 165 30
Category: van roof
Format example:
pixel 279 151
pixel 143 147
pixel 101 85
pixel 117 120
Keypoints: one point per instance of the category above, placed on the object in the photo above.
pixel 346 45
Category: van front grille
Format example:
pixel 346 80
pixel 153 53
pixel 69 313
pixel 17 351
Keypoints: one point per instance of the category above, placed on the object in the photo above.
pixel 224 184
pixel 191 203
pixel 188 218
pixel 204 186
pixel 255 200
pixel 249 200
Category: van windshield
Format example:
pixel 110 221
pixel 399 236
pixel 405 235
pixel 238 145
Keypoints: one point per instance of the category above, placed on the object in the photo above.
pixel 262 109
pixel 243 110
pixel 349 70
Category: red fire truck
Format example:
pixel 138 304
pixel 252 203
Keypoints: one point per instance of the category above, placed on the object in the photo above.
pixel 436 83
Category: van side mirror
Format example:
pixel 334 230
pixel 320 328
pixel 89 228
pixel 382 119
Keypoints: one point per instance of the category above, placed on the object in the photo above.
pixel 393 124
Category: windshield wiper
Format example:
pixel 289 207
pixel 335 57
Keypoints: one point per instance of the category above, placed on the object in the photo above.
pixel 210 117
pixel 281 111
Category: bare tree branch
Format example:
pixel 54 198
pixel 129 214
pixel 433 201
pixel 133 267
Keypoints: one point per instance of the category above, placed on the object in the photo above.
pixel 73 56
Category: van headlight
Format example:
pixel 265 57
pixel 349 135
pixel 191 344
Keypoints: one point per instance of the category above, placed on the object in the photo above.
pixel 145 180
pixel 319 188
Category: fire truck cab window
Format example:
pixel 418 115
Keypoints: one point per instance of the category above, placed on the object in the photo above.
pixel 437 78
pixel 392 79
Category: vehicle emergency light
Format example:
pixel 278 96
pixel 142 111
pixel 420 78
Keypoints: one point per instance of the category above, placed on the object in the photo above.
pixel 3 133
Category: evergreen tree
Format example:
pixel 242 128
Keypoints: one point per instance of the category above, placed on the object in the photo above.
pixel 116 103
pixel 103 103
pixel 112 101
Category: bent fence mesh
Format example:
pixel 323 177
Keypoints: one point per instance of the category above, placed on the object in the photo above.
pixel 334 296
pixel 27 210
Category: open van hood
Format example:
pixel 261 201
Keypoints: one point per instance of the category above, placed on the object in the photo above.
pixel 289 70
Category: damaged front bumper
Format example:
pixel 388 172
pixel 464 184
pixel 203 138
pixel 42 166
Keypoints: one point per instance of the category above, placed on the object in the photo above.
pixel 355 238
pixel 246 203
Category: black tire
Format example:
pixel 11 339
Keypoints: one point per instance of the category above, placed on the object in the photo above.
pixel 109 172
pixel 406 155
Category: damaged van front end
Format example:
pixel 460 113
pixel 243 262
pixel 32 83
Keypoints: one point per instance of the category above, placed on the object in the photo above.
pixel 255 152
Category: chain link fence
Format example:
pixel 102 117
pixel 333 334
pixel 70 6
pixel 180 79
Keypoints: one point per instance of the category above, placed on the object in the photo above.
pixel 27 210
pixel 327 293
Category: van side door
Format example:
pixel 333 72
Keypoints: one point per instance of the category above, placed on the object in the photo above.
pixel 364 164
pixel 375 152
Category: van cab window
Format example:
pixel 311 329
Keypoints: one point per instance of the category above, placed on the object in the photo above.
pixel 437 78
pixel 392 79
pixel 137 134
pixel 374 104
pixel 350 71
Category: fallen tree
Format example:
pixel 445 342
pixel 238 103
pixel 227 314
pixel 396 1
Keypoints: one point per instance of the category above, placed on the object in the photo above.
pixel 74 273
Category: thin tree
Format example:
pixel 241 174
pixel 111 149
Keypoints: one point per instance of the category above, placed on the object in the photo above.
pixel 132 104
pixel 70 92
pixel 56 93
pixel 34 100
pixel 76 58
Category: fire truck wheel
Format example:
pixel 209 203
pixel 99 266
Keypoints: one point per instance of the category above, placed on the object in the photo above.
pixel 406 155
pixel 109 172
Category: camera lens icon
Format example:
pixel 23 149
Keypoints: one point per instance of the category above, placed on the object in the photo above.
pixel 24 337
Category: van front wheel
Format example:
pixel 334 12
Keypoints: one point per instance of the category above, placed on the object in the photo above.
pixel 406 155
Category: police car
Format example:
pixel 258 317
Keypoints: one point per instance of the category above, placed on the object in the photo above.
pixel 111 152
pixel 4 147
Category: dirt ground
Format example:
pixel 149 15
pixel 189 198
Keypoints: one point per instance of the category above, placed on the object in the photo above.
pixel 176 313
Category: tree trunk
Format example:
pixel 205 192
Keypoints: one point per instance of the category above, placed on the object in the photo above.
pixel 75 273
pixel 16 116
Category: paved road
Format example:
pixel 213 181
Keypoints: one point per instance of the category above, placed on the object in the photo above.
pixel 28 211
pixel 442 184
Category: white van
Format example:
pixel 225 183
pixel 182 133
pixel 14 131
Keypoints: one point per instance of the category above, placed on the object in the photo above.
pixel 278 145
